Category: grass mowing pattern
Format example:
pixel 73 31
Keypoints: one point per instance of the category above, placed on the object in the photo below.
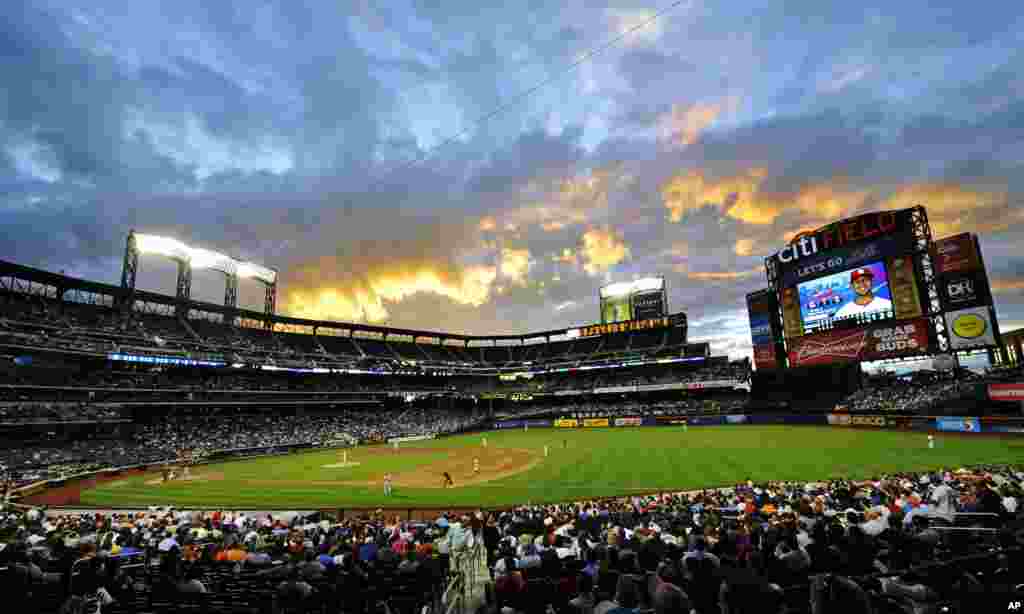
pixel 595 463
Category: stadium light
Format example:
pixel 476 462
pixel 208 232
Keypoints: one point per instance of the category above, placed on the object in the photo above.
pixel 199 258
pixel 248 270
pixel 161 246
pixel 206 259
pixel 625 288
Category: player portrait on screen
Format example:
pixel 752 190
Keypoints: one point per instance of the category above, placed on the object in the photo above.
pixel 862 280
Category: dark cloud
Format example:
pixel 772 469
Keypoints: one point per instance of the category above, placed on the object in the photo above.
pixel 306 136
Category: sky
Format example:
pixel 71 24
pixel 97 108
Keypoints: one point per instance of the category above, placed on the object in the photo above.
pixel 484 168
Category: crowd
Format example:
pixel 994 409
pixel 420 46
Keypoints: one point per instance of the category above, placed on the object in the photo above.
pixel 840 546
pixel 18 413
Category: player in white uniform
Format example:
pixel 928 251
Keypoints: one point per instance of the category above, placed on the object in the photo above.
pixel 866 301
pixel 476 466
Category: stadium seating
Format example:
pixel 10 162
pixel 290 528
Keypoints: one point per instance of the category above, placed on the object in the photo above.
pixel 766 548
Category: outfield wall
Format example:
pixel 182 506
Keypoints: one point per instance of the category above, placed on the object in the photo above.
pixel 957 424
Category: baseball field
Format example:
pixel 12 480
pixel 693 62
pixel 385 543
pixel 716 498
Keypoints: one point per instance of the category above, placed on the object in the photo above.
pixel 579 464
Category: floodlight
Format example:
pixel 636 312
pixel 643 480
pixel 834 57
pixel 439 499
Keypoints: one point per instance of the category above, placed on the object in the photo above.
pixel 162 246
pixel 206 259
pixel 248 270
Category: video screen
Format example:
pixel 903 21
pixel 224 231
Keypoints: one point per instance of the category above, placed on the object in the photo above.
pixel 849 294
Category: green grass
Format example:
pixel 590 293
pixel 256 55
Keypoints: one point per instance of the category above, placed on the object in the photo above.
pixel 597 462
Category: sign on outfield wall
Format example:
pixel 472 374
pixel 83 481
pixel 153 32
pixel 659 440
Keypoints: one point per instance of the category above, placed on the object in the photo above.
pixel 839 419
pixel 867 421
pixel 592 422
pixel 870 342
pixel 970 328
pixel 629 421
pixel 567 423
pixel 962 425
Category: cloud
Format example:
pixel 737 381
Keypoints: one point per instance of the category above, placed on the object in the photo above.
pixel 954 208
pixel 744 247
pixel 1007 286
pixel 602 249
pixel 367 295
pixel 515 264
pixel 683 125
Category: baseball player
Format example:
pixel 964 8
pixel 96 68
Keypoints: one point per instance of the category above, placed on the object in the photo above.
pixel 476 466
pixel 931 442
pixel 448 482
pixel 387 484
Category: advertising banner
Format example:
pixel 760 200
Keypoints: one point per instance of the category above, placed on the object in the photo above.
pixel 594 422
pixel 839 419
pixel 903 287
pixel 509 424
pixel 878 421
pixel 955 254
pixel 614 389
pixel 961 425
pixel 764 356
pixel 1006 392
pixel 736 419
pixel 807 248
pixel 970 328
pixel 870 342
pixel 615 309
pixel 899 422
pixel 761 329
pixel 1005 428
pixel 791 320
pixel 650 421
pixel 611 328
pixel 672 420
pixel 538 422
pixel 844 259
pixel 648 305
pixel 566 423
pixel 963 290
pixel 629 421
pixel 712 384
pixel 706 420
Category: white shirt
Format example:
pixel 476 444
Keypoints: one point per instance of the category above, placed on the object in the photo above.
pixel 943 498
pixel 853 309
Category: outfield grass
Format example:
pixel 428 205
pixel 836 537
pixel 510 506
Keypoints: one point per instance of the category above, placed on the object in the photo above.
pixel 596 462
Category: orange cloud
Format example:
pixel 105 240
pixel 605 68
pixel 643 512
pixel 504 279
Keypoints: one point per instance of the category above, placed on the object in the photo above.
pixel 602 249
pixel 1007 285
pixel 722 276
pixel 744 196
pixel 565 201
pixel 954 208
pixel 488 224
pixel 684 124
pixel 744 247
pixel 515 264
pixel 365 297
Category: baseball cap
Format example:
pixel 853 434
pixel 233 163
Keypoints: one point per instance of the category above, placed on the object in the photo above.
pixel 858 273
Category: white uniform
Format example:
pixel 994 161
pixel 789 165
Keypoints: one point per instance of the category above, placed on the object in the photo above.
pixel 853 309
pixel 931 442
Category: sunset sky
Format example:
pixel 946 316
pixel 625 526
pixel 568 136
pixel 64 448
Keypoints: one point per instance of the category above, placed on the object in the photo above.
pixel 485 167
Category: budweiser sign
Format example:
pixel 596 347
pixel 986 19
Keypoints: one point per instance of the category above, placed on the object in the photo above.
pixel 830 347
pixel 872 342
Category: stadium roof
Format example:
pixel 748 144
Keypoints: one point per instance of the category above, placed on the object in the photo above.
pixel 65 283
